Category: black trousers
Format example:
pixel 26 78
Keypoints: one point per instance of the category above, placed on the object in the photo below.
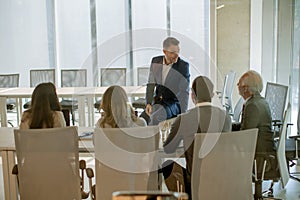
pixel 175 174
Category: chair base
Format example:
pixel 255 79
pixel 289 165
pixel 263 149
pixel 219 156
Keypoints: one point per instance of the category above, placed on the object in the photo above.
pixel 292 176
pixel 259 194
pixel 10 106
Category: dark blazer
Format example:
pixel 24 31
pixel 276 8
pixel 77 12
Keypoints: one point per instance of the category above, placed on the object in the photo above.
pixel 175 92
pixel 201 119
pixel 256 114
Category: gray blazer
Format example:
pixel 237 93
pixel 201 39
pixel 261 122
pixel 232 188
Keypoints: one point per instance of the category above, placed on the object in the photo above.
pixel 202 119
pixel 256 114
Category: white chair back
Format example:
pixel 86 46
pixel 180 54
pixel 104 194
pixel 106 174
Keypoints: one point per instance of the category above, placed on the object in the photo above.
pixel 48 163
pixel 283 169
pixel 223 171
pixel 125 159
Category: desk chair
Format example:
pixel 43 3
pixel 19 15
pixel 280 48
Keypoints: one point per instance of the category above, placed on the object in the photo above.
pixel 276 97
pixel 222 165
pixel 38 76
pixel 72 78
pixel 226 94
pixel 109 77
pixel 10 81
pixel 292 150
pixel 274 166
pixel 142 78
pixel 125 160
pixel 237 111
pixel 48 166
pixel 236 115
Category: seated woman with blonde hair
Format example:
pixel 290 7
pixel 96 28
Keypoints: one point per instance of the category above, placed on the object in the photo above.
pixel 117 111
pixel 45 110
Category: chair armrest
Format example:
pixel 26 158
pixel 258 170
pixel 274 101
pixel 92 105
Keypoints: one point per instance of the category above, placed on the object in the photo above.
pixel 277 123
pixel 296 137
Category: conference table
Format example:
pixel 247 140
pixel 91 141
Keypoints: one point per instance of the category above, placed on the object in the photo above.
pixel 7 152
pixel 82 94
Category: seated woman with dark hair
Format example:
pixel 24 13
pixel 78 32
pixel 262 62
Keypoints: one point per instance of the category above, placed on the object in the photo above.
pixel 117 111
pixel 45 110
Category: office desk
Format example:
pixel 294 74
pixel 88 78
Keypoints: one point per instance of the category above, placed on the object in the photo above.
pixel 82 94
pixel 7 150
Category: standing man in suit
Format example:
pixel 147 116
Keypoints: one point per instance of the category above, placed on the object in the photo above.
pixel 204 118
pixel 168 84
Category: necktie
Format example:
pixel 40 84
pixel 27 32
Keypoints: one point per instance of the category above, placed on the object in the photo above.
pixel 243 110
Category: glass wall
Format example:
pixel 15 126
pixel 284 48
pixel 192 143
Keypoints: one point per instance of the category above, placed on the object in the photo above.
pixel 24 37
pixel 295 72
pixel 112 43
pixel 128 33
pixel 149 28
pixel 194 32
pixel 57 34
pixel 72 33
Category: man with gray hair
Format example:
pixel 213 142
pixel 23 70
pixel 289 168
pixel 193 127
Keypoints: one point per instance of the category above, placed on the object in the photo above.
pixel 256 112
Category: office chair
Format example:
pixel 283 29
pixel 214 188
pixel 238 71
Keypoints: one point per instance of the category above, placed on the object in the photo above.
pixel 48 164
pixel 236 115
pixel 222 165
pixel 292 150
pixel 111 76
pixel 226 94
pixel 10 81
pixel 142 79
pixel 72 78
pixel 238 110
pixel 125 160
pixel 274 165
pixel 38 76
pixel 276 95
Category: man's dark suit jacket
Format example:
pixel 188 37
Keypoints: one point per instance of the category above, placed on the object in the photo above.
pixel 201 119
pixel 174 93
pixel 256 114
